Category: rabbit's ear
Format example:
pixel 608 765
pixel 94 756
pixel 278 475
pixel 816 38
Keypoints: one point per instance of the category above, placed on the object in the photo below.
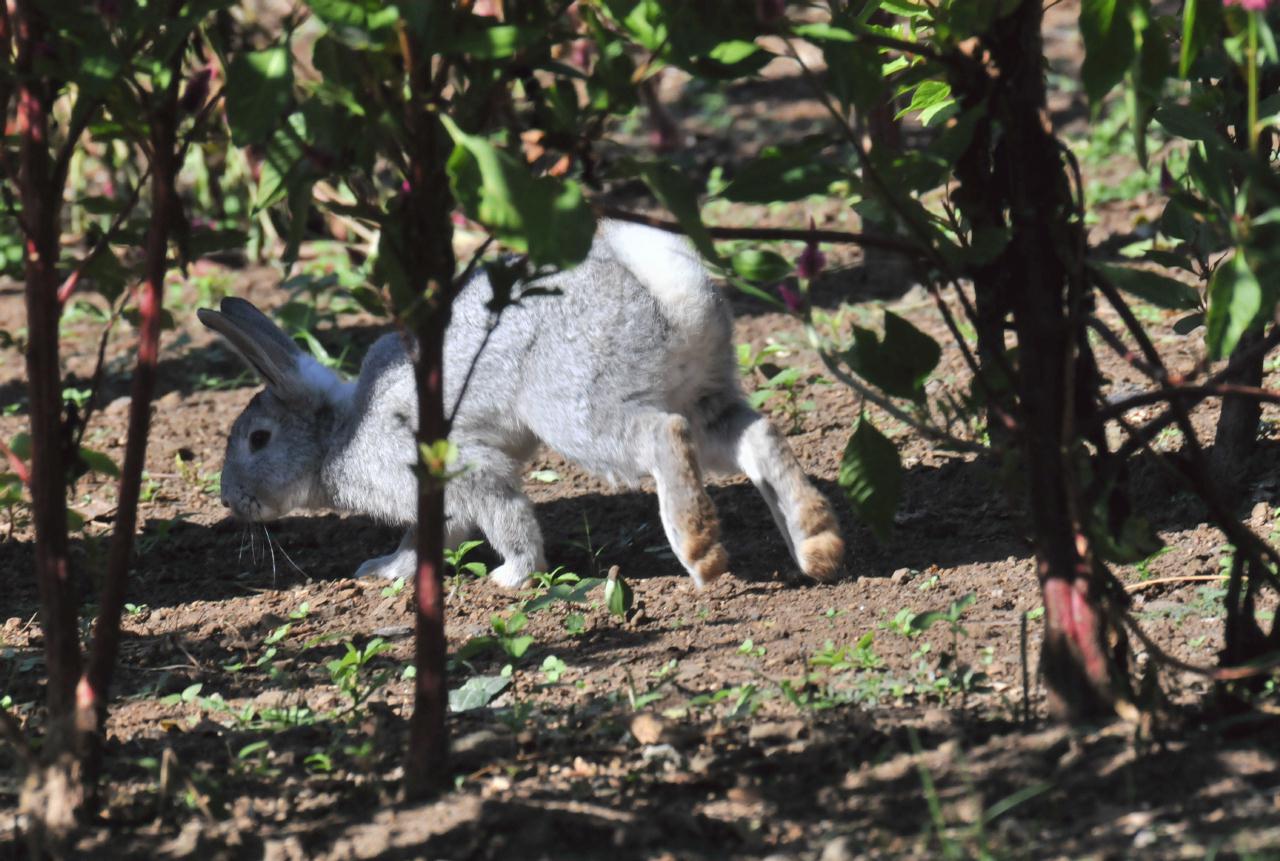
pixel 263 346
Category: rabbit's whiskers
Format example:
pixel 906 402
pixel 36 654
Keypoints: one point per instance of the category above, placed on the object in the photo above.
pixel 244 537
pixel 267 537
pixel 279 546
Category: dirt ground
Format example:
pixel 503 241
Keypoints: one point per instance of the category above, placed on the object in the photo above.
pixel 765 717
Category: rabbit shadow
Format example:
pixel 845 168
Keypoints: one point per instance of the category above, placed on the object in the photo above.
pixel 953 512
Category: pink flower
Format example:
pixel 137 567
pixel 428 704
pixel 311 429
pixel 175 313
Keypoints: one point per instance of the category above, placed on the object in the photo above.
pixel 1249 5
pixel 790 298
pixel 811 261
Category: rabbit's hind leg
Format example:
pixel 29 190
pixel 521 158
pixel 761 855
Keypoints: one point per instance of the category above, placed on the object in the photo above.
pixel 488 496
pixel 394 566
pixel 740 439
pixel 667 452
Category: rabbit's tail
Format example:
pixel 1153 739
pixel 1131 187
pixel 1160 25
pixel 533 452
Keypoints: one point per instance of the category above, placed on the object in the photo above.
pixel 669 268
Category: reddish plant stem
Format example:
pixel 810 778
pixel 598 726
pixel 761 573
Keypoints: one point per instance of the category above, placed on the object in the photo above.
pixel 93 690
pixel 428 243
pixel 41 210
pixel 1078 668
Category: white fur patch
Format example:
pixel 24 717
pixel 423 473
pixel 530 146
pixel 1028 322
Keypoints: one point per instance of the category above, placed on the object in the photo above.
pixel 323 381
pixel 668 266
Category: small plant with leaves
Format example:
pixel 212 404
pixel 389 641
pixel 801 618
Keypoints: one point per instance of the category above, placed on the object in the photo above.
pixel 354 674
pixel 778 388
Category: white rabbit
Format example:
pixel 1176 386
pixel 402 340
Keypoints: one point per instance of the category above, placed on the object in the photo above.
pixel 625 366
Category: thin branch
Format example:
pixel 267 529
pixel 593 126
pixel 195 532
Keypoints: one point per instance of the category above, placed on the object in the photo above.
pixel 1117 344
pixel 905 47
pixel 73 280
pixel 1218 674
pixel 1180 393
pixel 99 368
pixel 769 234
pixel 1161 581
pixel 75 128
pixel 1198 472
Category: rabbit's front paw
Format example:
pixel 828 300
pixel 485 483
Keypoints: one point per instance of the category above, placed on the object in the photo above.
pixel 511 575
pixel 393 567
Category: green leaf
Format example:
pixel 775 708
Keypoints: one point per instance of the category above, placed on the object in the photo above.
pixel 360 24
pixel 782 174
pixel 900 363
pixel 96 461
pixel 477 692
pixel 1159 290
pixel 492 43
pixel 1235 304
pixel 545 216
pixel 617 595
pixel 928 99
pixel 756 265
pixel 259 89
pixel 822 32
pixel 854 74
pixel 20 445
pixel 1188 324
pixel 1201 27
pixel 871 476
pixel 517 646
pixel 1109 44
pixel 1186 123
pixel 733 51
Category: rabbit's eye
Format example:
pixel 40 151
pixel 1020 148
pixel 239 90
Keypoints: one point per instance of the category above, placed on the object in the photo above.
pixel 258 439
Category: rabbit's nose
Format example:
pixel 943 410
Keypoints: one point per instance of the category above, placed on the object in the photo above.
pixel 225 503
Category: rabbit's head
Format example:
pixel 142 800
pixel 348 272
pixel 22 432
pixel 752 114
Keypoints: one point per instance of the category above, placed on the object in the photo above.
pixel 277 445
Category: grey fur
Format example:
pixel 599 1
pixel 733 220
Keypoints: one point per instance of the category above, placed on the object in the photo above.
pixel 627 370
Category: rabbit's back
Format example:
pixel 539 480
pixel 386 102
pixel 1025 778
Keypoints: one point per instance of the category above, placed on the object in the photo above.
pixel 624 330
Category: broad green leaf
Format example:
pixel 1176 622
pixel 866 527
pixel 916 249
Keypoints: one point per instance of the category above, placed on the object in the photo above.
pixel 900 363
pixel 259 89
pixel 20 445
pixel 733 51
pixel 1188 324
pixel 928 99
pixel 360 24
pixel 546 216
pixel 1212 178
pixel 781 174
pixel 1186 122
pixel 756 265
pixel 96 461
pixel 871 476
pixel 477 692
pixel 1159 290
pixel 854 74
pixel 492 43
pixel 1236 301
pixel 822 32
pixel 1109 45
pixel 1201 26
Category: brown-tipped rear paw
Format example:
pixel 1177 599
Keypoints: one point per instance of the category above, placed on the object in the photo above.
pixel 712 564
pixel 821 555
